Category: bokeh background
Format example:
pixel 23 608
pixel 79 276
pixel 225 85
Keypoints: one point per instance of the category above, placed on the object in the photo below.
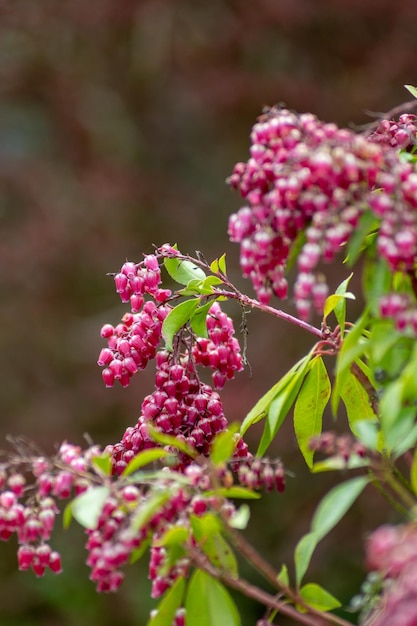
pixel 119 123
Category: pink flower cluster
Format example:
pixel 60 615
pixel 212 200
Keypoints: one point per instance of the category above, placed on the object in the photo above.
pixel 397 134
pixel 392 551
pixel 311 182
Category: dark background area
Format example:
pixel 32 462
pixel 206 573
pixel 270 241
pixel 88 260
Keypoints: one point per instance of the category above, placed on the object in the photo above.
pixel 119 123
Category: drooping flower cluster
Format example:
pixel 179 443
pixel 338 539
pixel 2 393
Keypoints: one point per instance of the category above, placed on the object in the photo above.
pixel 399 134
pixel 309 179
pixel 333 444
pixel 392 551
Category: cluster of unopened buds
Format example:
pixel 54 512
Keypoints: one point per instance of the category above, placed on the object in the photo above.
pixel 401 308
pixel 332 444
pixel 392 552
pixel 305 176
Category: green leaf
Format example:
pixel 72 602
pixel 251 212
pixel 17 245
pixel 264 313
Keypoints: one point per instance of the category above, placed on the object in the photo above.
pixel 183 271
pixel 170 440
pixel 176 319
pixel 303 553
pixel 149 507
pixel 354 346
pixel 367 431
pixel 208 603
pixel 377 278
pixel 337 463
pixel 333 300
pixel 335 504
pixel 219 265
pixel 67 516
pixel 103 464
pixel 143 458
pixel 330 511
pixel 368 223
pixel 199 320
pixel 223 445
pixel 235 492
pixel 283 578
pixel 281 405
pixel 319 598
pixel 87 507
pixel 207 531
pixel 340 308
pixel 413 473
pixel 412 90
pixel 240 519
pixel 259 411
pixel 309 407
pixel 356 400
pixel 171 601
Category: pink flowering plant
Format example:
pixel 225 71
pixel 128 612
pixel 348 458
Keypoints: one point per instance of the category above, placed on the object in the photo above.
pixel 177 487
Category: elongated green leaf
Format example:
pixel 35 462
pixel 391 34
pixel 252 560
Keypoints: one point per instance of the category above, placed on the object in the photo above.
pixel 329 512
pixel 86 508
pixel 139 552
pixel 176 319
pixel 144 458
pixel 183 271
pixel 171 601
pixel 333 300
pixel 319 598
pixel 335 504
pixel 235 492
pixel 377 278
pixel 303 553
pixel 368 223
pixel 223 445
pixel 148 508
pixel 339 463
pixel 354 346
pixel 259 411
pixel 240 519
pixel 199 320
pixel 283 577
pixel 207 531
pixel 208 603
pixel 281 405
pixel 340 308
pixel 103 463
pixel 169 440
pixel 356 400
pixel 412 90
pixel 219 265
pixel 367 431
pixel 309 407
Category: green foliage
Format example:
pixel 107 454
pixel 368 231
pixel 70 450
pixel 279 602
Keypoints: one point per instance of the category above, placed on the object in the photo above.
pixel 207 530
pixel 223 445
pixel 309 407
pixel 318 598
pixel 183 271
pixel 171 601
pixel 208 603
pixel 86 508
pixel 330 511
pixel 176 319
pixel 144 458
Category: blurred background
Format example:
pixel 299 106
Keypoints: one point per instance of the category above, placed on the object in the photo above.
pixel 119 123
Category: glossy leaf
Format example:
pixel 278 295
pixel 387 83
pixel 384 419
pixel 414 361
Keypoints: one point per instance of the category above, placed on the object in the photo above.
pixel 283 577
pixel 149 508
pixel 319 598
pixel 309 407
pixel 235 492
pixel 340 308
pixel 144 458
pixel 208 603
pixel 207 531
pixel 281 405
pixel 303 553
pixel 330 511
pixel 199 320
pixel 356 400
pixel 103 464
pixel 335 504
pixel 259 411
pixel 412 90
pixel 172 600
pixel 223 445
pixel 176 319
pixel 240 519
pixel 337 463
pixel 87 507
pixel 334 300
pixel 183 271
pixel 219 265
pixel 170 440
